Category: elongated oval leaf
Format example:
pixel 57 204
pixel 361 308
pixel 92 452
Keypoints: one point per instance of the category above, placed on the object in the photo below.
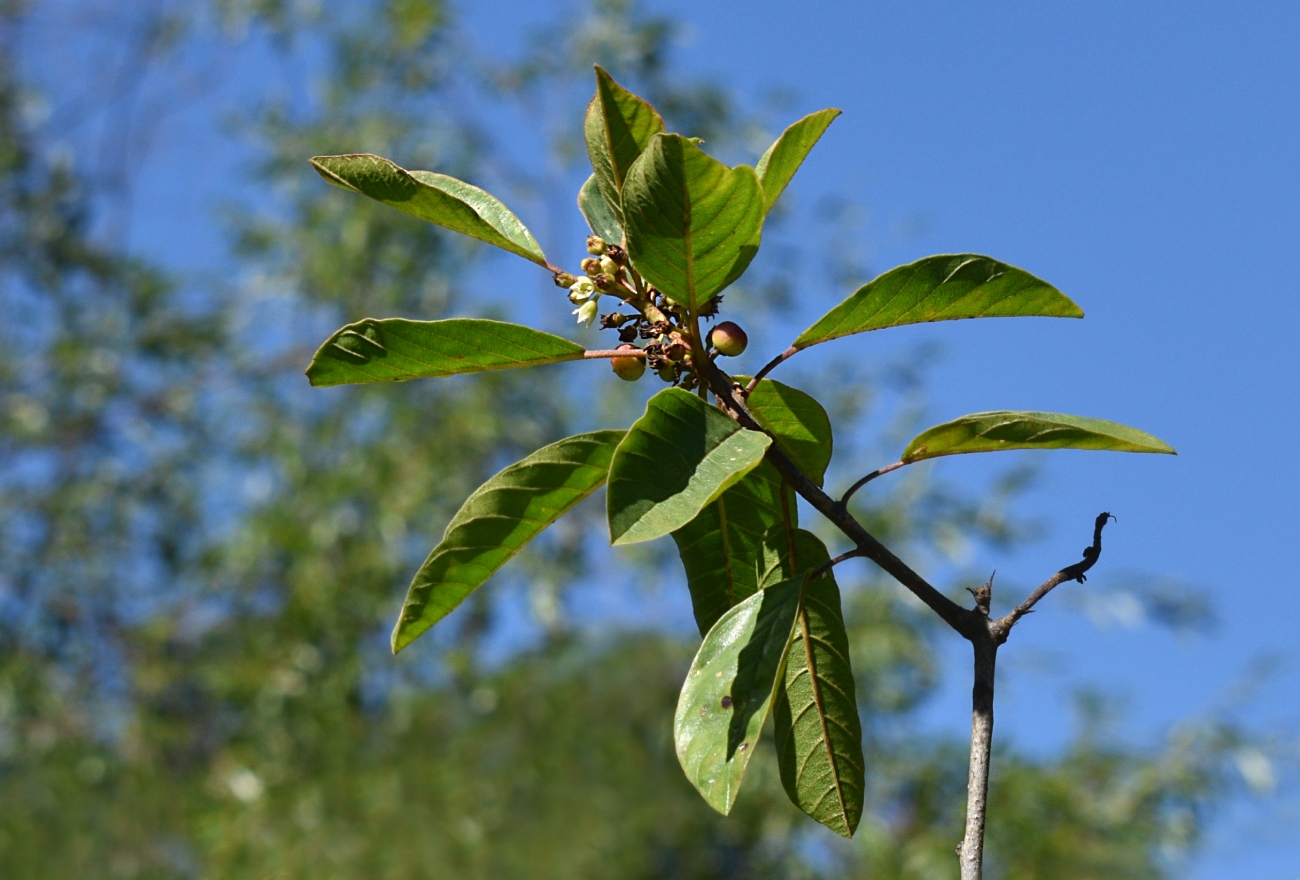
pixel 677 458
pixel 721 548
pixel 600 216
pixel 942 288
pixel 692 224
pixel 996 431
pixel 617 127
pixel 394 349
pixel 815 713
pixel 778 165
pixel 495 523
pixel 728 692
pixel 437 198
pixel 798 422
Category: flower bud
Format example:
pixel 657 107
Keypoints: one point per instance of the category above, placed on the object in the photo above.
pixel 729 339
pixel 591 266
pixel 564 279
pixel 596 245
pixel 628 368
pixel 587 312
pixel 608 266
pixel 603 281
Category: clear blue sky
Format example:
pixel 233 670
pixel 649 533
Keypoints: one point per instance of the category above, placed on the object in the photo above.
pixel 1145 158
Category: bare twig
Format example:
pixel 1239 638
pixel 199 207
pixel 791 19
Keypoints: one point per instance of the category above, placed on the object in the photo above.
pixel 986 640
pixel 1002 627
pixel 844 500
pixel 770 366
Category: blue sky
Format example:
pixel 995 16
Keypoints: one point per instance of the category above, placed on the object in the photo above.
pixel 1144 159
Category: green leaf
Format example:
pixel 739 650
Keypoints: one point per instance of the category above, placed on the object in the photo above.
pixel 495 522
pixel 942 288
pixel 798 422
pixel 437 198
pixel 600 217
pixel 617 127
pixel 692 223
pixel 394 349
pixel 728 692
pixel 818 732
pixel 721 548
pixel 677 458
pixel 778 165
pixel 996 431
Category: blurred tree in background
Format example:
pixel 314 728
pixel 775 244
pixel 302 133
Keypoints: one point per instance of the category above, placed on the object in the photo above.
pixel 199 559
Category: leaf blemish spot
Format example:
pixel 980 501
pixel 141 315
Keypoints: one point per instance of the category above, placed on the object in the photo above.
pixel 726 702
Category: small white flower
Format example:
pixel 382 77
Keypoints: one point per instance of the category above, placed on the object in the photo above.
pixel 581 291
pixel 587 312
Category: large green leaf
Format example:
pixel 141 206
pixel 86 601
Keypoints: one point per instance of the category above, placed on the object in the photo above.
pixel 617 127
pixel 798 423
pixel 437 198
pixel 996 431
pixel 495 522
pixel 942 288
pixel 721 547
pixel 818 732
pixel 677 458
pixel 692 223
pixel 393 349
pixel 600 216
pixel 728 692
pixel 778 165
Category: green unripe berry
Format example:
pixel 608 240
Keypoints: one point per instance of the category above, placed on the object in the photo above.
pixel 729 339
pixel 629 369
pixel 596 245
pixel 667 373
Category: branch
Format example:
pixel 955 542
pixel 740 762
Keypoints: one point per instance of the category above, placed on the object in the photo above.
pixel 844 500
pixel 959 618
pixel 771 365
pixel 1002 627
pixel 615 353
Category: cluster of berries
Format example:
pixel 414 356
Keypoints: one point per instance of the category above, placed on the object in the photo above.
pixel 655 319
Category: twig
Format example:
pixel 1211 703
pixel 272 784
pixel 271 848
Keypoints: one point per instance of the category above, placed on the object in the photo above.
pixel 986 640
pixel 615 353
pixel 821 570
pixel 771 365
pixel 844 500
pixel 1002 627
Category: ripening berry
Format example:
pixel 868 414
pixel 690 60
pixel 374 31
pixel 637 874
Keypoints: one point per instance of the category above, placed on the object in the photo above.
pixel 596 245
pixel 628 368
pixel 729 339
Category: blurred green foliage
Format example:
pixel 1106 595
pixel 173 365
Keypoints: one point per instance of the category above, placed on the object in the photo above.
pixel 199 560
